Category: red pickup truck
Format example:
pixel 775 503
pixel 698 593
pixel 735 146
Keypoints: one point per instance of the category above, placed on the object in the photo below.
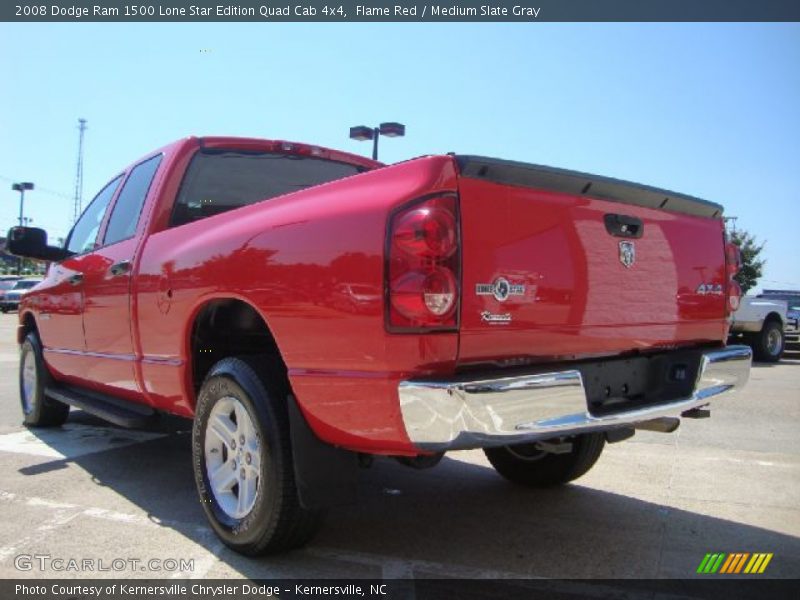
pixel 309 309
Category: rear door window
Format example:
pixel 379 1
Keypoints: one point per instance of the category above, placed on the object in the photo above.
pixel 128 207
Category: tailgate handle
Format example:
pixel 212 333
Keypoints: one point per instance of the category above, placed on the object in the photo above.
pixel 624 226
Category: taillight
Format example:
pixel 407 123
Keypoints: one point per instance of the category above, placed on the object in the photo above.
pixel 423 266
pixel 734 296
pixel 733 258
pixel 733 262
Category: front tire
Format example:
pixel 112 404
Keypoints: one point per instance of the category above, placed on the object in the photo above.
pixel 769 342
pixel 37 409
pixel 243 463
pixel 529 465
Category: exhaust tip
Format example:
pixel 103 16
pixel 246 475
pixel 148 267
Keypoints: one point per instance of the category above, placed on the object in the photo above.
pixel 662 424
pixel 696 413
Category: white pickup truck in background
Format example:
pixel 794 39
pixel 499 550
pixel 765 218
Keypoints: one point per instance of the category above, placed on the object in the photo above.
pixel 760 323
pixel 792 329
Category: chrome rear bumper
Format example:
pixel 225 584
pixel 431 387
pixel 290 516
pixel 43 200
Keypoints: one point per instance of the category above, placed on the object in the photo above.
pixel 457 414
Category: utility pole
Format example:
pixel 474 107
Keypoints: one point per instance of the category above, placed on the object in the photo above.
pixel 77 205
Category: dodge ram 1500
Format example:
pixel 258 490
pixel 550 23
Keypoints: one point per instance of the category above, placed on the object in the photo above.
pixel 309 308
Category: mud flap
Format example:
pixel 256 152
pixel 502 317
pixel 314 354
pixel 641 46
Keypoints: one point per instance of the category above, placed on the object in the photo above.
pixel 325 475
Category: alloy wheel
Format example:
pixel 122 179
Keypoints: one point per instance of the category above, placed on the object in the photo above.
pixel 233 457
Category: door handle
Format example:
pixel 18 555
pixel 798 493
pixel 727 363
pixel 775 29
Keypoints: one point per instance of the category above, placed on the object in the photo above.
pixel 75 279
pixel 120 268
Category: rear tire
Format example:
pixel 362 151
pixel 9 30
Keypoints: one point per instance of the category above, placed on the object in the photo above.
pixel 769 342
pixel 37 409
pixel 254 507
pixel 525 464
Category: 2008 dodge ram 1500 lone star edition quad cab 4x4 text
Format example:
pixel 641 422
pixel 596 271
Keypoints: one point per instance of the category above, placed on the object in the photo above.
pixel 310 308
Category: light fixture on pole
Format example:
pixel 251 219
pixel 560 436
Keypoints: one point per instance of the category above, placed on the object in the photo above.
pixel 363 133
pixel 21 187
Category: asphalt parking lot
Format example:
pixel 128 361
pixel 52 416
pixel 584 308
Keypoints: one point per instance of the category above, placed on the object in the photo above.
pixel 652 507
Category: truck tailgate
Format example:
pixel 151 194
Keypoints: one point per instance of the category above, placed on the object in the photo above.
pixel 558 264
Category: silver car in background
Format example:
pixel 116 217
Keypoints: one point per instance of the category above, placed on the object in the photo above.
pixel 10 294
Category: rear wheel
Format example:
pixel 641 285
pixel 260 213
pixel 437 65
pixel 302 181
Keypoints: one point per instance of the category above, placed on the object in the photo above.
pixel 536 465
pixel 243 460
pixel 769 342
pixel 37 409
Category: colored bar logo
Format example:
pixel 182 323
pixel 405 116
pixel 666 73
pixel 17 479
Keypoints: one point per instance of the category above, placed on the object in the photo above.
pixel 734 563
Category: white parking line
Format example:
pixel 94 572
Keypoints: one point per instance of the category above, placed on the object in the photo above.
pixel 402 572
pixel 751 461
pixel 392 567
pixel 397 569
pixel 60 517
pixel 98 513
pixel 202 566
pixel 72 440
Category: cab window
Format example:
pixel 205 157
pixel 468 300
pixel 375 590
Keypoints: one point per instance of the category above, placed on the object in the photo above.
pixel 221 180
pixel 128 207
pixel 84 235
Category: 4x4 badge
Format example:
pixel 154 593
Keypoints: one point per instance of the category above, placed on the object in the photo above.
pixel 501 289
pixel 627 254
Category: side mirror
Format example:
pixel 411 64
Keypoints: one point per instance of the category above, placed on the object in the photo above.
pixel 31 242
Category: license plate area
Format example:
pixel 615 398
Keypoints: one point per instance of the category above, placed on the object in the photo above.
pixel 626 384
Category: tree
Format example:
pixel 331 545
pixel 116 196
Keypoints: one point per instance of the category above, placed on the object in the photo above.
pixel 752 266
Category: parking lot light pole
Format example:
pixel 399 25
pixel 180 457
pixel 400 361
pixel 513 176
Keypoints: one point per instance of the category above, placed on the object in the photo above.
pixel 363 133
pixel 21 187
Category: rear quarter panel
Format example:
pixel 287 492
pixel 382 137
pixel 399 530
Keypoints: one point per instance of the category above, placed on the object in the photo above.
pixel 311 263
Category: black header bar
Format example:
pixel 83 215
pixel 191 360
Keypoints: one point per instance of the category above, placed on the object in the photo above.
pixel 397 589
pixel 121 11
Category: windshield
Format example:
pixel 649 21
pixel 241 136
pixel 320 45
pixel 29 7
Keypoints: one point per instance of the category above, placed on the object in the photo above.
pixel 24 285
pixel 7 285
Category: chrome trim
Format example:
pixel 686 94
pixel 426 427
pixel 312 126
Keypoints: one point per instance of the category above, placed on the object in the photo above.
pixel 459 414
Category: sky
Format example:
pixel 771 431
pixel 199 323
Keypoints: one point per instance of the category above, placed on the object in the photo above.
pixel 710 110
